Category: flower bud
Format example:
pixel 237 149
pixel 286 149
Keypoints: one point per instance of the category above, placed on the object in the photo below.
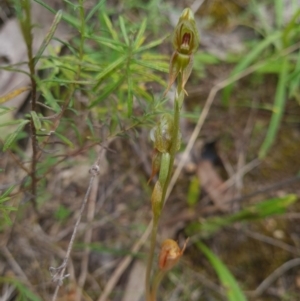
pixel 156 199
pixel 164 168
pixel 186 37
pixel 170 253
pixel 156 159
pixel 185 42
pixel 162 134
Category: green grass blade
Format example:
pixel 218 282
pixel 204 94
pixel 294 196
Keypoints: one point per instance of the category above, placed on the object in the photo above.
pixel 294 78
pixel 139 40
pixel 64 139
pixel 107 91
pixel 94 10
pixel 278 109
pixel 49 36
pixel 290 27
pixel 7 192
pixel 36 120
pixel 261 16
pixel 69 19
pixel 163 67
pixel 115 45
pixel 123 29
pixel 150 45
pixel 109 69
pixel 267 208
pixel 249 58
pixel 109 26
pixel 233 291
pixel 279 9
pixel 12 137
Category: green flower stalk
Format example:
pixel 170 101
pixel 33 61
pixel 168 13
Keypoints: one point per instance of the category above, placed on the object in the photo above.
pixel 167 139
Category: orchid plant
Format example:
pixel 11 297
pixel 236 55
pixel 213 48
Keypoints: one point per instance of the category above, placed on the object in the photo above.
pixel 167 139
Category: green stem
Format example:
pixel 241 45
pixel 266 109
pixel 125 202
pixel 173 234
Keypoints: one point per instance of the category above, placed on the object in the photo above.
pixel 156 282
pixel 150 258
pixel 150 293
pixel 26 27
pixel 173 149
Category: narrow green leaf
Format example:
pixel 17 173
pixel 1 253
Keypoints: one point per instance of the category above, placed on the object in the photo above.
pixel 64 139
pixel 5 110
pixel 4 199
pixel 66 17
pixel 9 208
pixel 36 120
pixel 91 126
pixel 193 191
pixel 150 45
pixel 26 294
pixel 115 45
pixel 49 36
pixel 258 211
pixel 278 109
pixel 12 122
pixel 6 218
pixel 139 40
pixel 247 60
pixel 107 91
pixel 290 27
pixel 109 69
pixel 279 9
pixel 112 46
pixel 110 27
pixel 74 6
pixel 7 192
pixel 229 283
pixel 123 29
pixel 94 10
pixel 153 65
pixel 294 78
pixel 11 137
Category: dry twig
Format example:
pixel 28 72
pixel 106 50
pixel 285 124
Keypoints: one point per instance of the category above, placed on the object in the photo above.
pixel 58 274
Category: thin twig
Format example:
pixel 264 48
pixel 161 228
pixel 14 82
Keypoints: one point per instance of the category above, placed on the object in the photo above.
pixel 275 275
pixel 272 241
pixel 242 148
pixel 87 239
pixel 58 274
pixel 18 162
pixel 14 265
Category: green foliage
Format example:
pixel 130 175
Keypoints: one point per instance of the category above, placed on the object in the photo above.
pixel 23 292
pixel 227 280
pixel 273 50
pixel 5 209
pixel 267 208
pixel 105 72
pixel 13 136
pixel 62 213
pixel 210 226
pixel 193 192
